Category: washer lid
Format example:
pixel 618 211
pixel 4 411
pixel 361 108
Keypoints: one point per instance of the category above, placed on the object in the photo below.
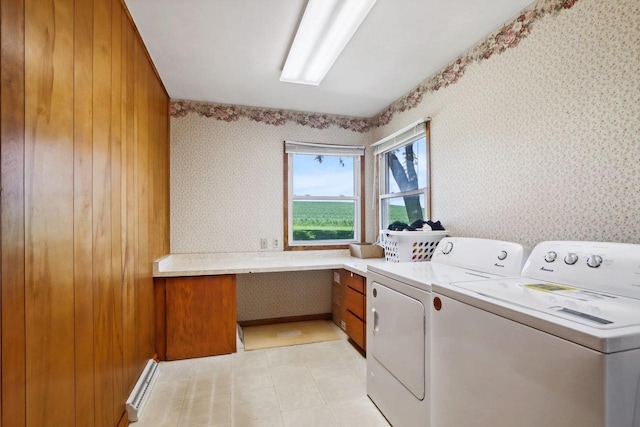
pixel 601 321
pixel 422 274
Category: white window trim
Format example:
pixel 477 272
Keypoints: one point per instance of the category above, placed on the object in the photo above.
pixel 357 153
pixel 404 136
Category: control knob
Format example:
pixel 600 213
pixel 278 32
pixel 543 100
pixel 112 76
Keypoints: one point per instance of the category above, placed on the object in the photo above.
pixel 571 258
pixel 447 248
pixel 550 256
pixel 502 255
pixel 594 261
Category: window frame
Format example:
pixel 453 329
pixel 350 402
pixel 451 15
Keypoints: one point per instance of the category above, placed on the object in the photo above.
pixel 358 198
pixel 393 142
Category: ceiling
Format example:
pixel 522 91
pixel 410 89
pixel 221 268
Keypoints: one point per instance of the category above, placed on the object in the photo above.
pixel 232 51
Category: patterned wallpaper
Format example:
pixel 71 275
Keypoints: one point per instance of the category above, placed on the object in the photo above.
pixel 508 36
pixel 543 141
pixel 227 181
pixel 270 295
pixel 226 194
pixel 536 142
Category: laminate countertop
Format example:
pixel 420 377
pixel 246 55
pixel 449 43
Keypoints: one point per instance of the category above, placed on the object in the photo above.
pixel 177 265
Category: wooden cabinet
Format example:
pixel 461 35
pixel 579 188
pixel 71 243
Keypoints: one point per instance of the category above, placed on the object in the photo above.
pixel 351 306
pixel 338 309
pixel 195 316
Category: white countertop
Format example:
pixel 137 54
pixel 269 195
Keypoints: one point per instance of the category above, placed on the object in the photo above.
pixel 259 262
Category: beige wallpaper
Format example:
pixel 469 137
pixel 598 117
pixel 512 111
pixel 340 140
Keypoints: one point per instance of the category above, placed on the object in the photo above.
pixel 226 181
pixel 226 194
pixel 270 295
pixel 541 140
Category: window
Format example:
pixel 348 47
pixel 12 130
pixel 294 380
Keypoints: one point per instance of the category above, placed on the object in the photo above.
pixel 322 194
pixel 403 165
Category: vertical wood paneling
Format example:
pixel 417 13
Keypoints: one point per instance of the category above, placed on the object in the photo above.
pixel 12 297
pixel 49 294
pixel 84 175
pixel 120 391
pixel 145 284
pixel 102 275
pixel 127 214
pixel 83 212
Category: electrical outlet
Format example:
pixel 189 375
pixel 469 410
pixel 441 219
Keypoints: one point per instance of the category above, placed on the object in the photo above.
pixel 276 243
pixel 263 243
pixel 343 325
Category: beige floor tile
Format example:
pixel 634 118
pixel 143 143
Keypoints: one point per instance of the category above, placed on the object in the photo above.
pixel 298 395
pixel 337 389
pixel 358 412
pixel 324 351
pixel 327 368
pixel 313 416
pixel 211 365
pixel 285 355
pixel 218 404
pixel 154 423
pixel 260 403
pixel 251 378
pixel 274 387
pixel 249 359
pixel 272 421
pixel 290 374
pixel 217 384
pixel 205 412
pixel 160 412
pixel 175 369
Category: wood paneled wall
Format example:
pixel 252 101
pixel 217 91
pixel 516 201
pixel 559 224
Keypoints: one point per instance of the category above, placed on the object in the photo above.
pixel 85 210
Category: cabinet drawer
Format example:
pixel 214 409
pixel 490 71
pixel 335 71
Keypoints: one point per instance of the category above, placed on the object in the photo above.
pixel 355 302
pixel 355 329
pixel 353 281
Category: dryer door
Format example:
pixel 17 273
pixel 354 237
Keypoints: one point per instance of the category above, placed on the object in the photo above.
pixel 398 337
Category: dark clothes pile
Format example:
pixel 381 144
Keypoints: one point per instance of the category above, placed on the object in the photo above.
pixel 417 225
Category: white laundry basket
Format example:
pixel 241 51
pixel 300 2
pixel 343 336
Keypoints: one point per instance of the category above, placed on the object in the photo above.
pixel 410 246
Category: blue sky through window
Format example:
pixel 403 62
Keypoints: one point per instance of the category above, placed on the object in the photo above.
pixel 328 178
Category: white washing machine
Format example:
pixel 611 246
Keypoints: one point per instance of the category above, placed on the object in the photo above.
pixel 398 331
pixel 558 347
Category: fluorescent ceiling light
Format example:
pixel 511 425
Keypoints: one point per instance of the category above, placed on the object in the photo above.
pixel 325 29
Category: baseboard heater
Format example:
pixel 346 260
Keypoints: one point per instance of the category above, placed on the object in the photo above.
pixel 140 394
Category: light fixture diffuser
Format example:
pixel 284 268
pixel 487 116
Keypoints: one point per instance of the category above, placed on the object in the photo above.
pixel 325 29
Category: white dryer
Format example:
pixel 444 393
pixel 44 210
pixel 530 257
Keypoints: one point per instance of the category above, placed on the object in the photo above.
pixel 398 331
pixel 558 347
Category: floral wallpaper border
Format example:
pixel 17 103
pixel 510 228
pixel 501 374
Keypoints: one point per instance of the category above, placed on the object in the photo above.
pixel 231 113
pixel 509 36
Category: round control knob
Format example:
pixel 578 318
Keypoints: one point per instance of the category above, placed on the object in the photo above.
pixel 594 261
pixel 571 258
pixel 502 255
pixel 550 256
pixel 447 248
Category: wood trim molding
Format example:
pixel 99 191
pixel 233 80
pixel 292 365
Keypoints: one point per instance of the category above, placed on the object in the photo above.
pixel 285 209
pixel 363 199
pixel 428 195
pixel 285 198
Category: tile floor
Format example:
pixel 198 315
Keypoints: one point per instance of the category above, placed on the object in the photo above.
pixel 321 384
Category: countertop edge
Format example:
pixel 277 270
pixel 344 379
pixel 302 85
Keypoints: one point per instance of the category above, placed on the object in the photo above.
pixel 260 262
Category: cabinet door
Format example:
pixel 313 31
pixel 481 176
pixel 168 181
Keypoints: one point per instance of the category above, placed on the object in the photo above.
pixel 201 316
